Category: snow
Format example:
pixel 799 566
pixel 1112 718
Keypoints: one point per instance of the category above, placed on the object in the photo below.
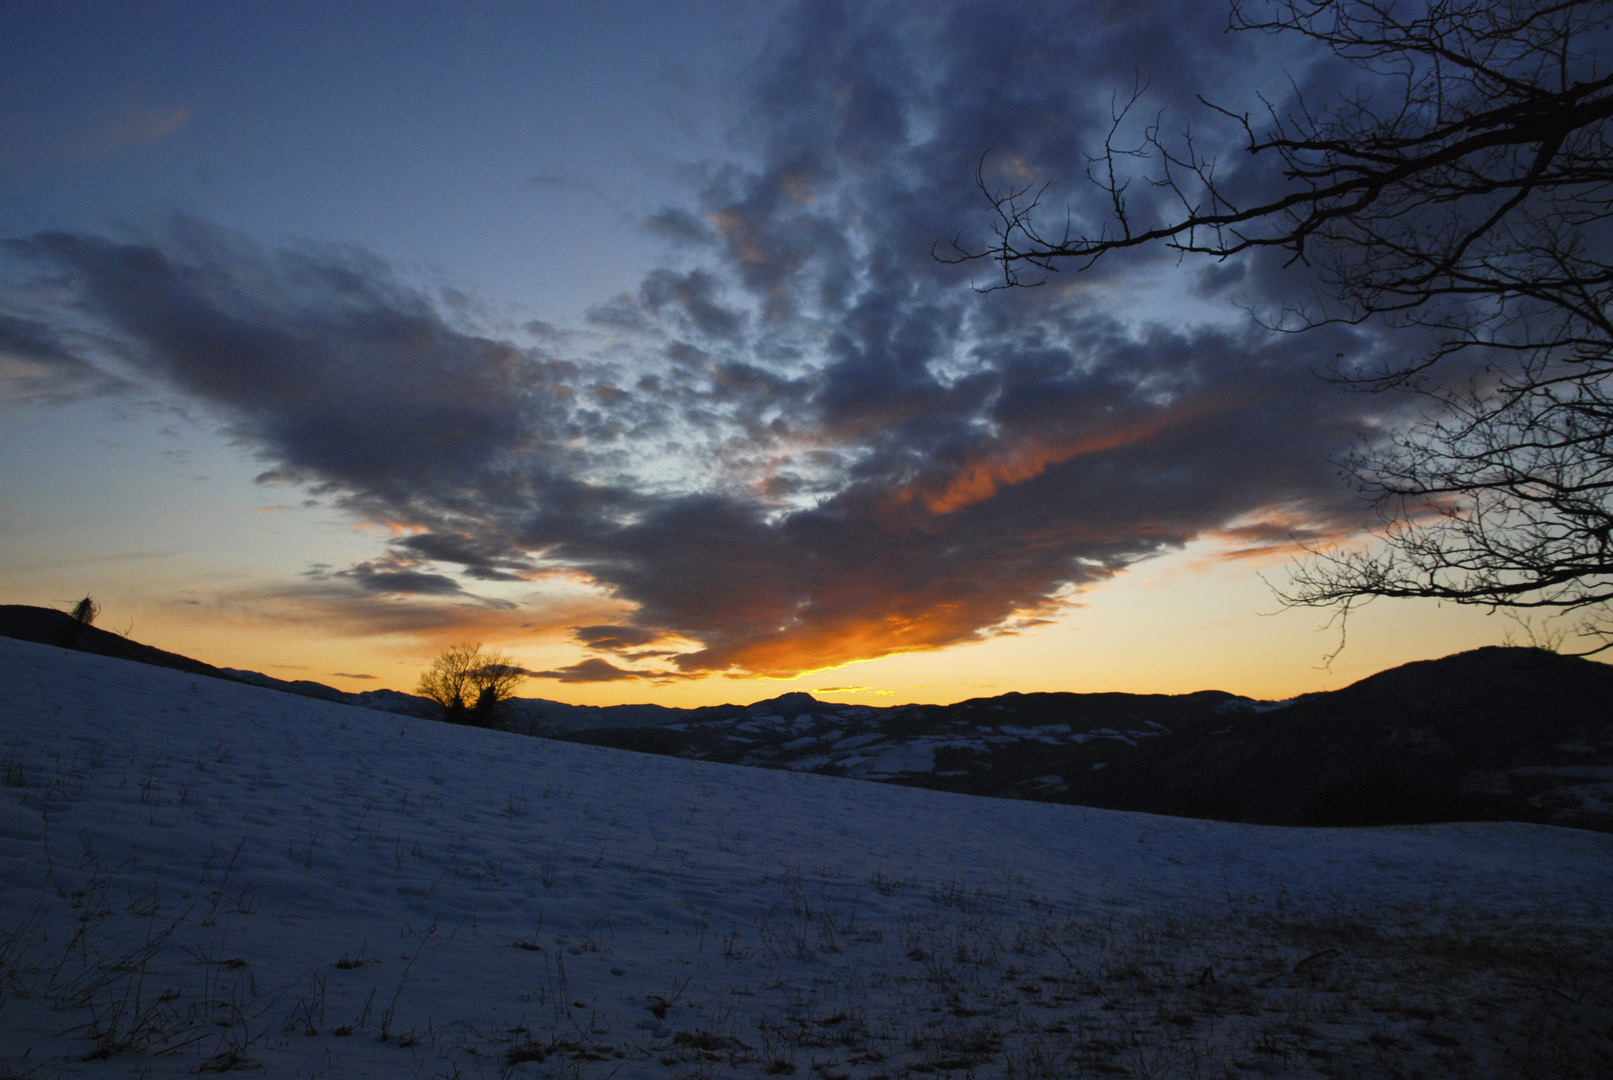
pixel 255 880
pixel 892 760
pixel 856 742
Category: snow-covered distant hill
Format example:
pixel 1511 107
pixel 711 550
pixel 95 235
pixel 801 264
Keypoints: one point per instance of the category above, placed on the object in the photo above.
pixel 1019 745
pixel 198 875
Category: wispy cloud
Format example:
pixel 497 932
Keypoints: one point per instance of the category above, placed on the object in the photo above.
pixel 99 129
pixel 37 367
pixel 615 638
pixel 595 670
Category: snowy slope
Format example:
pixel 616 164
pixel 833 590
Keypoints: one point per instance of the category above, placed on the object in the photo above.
pixel 196 874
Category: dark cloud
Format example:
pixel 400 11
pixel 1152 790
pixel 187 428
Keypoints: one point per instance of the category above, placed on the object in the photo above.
pixel 548 332
pixel 321 359
pixel 614 638
pixel 378 577
pixel 686 302
pixel 593 670
pixel 399 573
pixel 483 558
pixel 693 296
pixel 818 444
pixel 351 675
pixel 621 313
pixel 1105 468
pixel 678 225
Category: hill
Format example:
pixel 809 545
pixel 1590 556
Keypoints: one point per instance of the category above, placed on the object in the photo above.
pixel 47 626
pixel 1494 734
pixel 1491 734
pixel 198 875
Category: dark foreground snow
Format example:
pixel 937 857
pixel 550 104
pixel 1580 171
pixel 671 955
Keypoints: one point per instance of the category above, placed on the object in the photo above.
pixel 197 875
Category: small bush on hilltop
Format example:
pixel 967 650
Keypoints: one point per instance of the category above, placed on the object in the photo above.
pixel 85 611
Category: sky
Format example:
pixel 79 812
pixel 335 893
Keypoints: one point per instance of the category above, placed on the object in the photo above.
pixel 612 335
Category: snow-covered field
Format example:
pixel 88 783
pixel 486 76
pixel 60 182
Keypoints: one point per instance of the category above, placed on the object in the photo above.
pixel 197 875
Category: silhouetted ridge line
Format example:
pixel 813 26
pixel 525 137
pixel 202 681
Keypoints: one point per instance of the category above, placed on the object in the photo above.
pixel 47 626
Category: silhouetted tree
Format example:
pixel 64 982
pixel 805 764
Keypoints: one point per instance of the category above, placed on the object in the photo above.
pixel 1465 193
pixel 469 684
pixel 85 611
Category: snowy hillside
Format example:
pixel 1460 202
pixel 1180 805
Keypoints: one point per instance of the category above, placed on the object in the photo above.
pixel 203 875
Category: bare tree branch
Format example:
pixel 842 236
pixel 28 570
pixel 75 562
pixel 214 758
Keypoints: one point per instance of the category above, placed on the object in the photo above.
pixel 1467 192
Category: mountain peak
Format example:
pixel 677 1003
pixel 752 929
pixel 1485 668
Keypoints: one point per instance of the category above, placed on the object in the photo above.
pixel 791 704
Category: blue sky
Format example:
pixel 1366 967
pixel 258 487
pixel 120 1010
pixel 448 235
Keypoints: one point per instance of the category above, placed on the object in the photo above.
pixel 511 147
pixel 610 334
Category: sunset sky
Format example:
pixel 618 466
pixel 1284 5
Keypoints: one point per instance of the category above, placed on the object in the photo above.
pixel 609 334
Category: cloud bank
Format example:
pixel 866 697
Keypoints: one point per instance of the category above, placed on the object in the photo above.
pixel 802 441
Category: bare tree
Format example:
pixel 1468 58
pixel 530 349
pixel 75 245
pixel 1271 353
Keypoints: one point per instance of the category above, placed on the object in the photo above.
pixel 1464 192
pixel 469 684
pixel 494 680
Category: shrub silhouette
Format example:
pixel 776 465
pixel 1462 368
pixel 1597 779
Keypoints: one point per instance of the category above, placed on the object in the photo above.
pixel 469 684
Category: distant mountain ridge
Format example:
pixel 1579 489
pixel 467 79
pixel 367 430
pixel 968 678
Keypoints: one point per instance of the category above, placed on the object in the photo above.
pixel 1491 734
